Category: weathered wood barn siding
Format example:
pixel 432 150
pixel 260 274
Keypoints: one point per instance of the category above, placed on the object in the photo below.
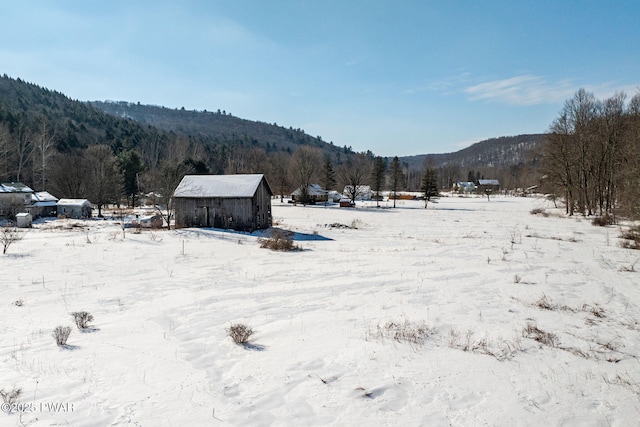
pixel 209 201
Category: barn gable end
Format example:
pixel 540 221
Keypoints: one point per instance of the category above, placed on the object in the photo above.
pixel 238 202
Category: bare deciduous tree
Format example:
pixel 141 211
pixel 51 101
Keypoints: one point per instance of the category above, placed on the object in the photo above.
pixel 355 173
pixel 8 236
pixel 43 144
pixel 304 165
pixel 103 180
pixel 591 155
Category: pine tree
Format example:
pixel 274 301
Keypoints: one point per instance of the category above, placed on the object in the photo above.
pixel 429 185
pixel 396 176
pixel 378 177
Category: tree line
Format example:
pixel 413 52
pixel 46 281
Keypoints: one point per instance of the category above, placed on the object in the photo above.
pixel 591 156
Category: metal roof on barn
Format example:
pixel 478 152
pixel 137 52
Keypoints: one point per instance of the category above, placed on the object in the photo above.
pixel 223 186
pixel 74 202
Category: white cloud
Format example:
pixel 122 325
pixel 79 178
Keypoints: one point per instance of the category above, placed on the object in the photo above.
pixel 533 90
pixel 522 90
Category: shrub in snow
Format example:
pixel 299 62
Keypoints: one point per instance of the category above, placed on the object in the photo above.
pixel 603 220
pixel 61 334
pixel 547 338
pixel 410 332
pixel 239 333
pixel 544 303
pixel 632 238
pixel 10 398
pixel 538 211
pixel 278 240
pixel 82 319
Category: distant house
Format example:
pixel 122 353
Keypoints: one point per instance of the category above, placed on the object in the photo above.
pixel 238 202
pixel 488 185
pixel 43 204
pixel 315 194
pixel 14 197
pixel 74 208
pixel 361 192
pixel 464 187
pixel 334 196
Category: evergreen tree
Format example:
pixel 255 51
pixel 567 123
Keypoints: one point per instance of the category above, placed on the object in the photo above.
pixel 429 185
pixel 130 165
pixel 378 177
pixel 328 175
pixel 396 176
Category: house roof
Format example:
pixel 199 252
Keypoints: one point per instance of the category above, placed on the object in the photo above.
pixel 466 184
pixel 43 198
pixel 312 190
pixel 14 187
pixel 224 186
pixel 488 182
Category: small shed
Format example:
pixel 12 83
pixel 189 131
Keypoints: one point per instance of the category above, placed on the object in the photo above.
pixel 238 202
pixel 23 220
pixel 74 208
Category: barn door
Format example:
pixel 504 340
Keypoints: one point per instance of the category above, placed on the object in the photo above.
pixel 203 216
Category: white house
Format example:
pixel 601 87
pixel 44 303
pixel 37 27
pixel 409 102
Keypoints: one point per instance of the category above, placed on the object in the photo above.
pixel 14 198
pixel 315 194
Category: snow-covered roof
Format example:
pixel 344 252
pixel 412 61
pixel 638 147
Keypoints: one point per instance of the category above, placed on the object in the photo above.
pixel 488 182
pixel 14 187
pixel 312 190
pixel 74 202
pixel 218 185
pixel 43 198
pixel 466 184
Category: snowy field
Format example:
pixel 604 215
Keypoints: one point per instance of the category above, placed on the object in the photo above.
pixel 469 313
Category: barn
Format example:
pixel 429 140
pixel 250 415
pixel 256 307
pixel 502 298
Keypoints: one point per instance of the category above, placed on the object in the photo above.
pixel 238 202
pixel 74 208
pixel 488 185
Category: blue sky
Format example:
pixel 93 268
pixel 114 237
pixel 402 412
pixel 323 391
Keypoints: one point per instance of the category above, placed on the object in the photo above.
pixel 394 77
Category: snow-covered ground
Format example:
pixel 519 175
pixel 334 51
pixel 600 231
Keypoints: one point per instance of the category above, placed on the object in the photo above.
pixel 502 318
